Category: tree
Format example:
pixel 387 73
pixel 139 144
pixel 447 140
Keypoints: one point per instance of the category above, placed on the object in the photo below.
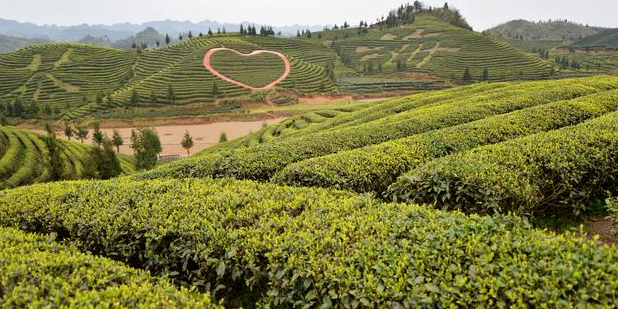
pixel 101 162
pixel 17 108
pixel 167 39
pixel 68 131
pixel 99 98
pixel 215 89
pixel 117 140
pixel 190 35
pixel 223 137
pixel 55 163
pixel 134 97
pixel 187 142
pixel 467 76
pixel 153 97
pixel 97 135
pixel 171 96
pixel 485 74
pixel 82 133
pixel 146 147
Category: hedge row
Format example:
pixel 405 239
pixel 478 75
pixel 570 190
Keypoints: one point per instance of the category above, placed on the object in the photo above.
pixel 37 272
pixel 262 161
pixel 549 172
pixel 282 247
pixel 374 168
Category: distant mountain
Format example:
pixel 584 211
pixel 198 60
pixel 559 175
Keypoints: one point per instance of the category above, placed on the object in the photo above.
pixel 10 44
pixel 603 39
pixel 124 30
pixel 543 30
pixel 149 36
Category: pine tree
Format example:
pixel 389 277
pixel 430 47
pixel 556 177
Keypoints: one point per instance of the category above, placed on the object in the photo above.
pixel 68 131
pixel 167 39
pixel 97 135
pixel 485 74
pixel 187 142
pixel 467 76
pixel 117 140
pixel 215 89
pixel 190 35
pixel 81 133
pixel 153 97
pixel 134 98
pixel 171 96
pixel 223 137
pixel 56 164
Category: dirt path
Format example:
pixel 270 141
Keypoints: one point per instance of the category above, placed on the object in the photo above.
pixel 286 61
pixel 204 135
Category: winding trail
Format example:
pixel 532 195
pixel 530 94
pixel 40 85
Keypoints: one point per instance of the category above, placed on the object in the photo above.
pixel 286 61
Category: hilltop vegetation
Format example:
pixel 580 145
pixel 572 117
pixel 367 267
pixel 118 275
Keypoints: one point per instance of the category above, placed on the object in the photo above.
pixel 25 159
pixel 543 30
pixel 604 39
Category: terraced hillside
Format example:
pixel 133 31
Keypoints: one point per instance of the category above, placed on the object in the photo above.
pixel 75 80
pixel 367 150
pixel 67 77
pixel 24 158
pixel 432 47
pixel 181 67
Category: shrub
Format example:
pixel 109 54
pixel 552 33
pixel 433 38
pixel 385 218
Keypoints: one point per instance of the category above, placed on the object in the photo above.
pixel 374 168
pixel 35 271
pixel 549 172
pixel 308 247
pixel 423 114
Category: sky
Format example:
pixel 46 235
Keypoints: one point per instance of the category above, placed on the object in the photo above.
pixel 481 14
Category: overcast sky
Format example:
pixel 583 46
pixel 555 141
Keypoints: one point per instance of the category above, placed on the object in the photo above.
pixel 481 14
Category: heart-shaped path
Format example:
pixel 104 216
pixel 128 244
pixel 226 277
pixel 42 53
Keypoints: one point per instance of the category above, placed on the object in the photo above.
pixel 286 62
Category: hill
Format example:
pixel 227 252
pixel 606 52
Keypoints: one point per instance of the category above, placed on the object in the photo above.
pixel 24 158
pixel 10 44
pixel 429 47
pixel 521 147
pixel 77 79
pixel 604 39
pixel 543 30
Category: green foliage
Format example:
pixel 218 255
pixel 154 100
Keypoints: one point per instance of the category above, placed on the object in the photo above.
pixel 393 119
pixel 101 162
pixel 27 158
pixel 223 137
pixel 374 168
pixel 38 272
pixel 295 247
pixel 117 140
pixel 552 172
pixel 146 146
pixel 187 142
